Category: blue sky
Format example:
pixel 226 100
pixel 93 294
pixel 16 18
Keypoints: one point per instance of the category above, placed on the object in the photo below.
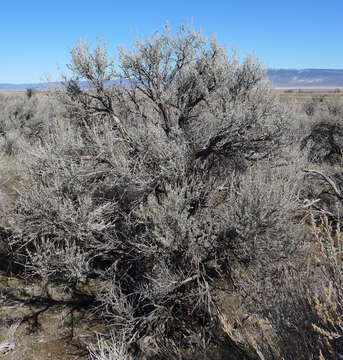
pixel 36 36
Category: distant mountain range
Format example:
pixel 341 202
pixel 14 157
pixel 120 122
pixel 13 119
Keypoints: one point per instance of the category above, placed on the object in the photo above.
pixel 305 77
pixel 22 87
pixel 278 77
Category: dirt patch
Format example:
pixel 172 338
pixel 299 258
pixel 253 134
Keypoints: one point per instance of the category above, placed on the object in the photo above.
pixel 36 327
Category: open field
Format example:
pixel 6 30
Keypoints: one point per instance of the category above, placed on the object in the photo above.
pixel 300 95
pixel 14 92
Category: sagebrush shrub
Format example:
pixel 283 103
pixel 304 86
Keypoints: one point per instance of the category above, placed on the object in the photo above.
pixel 323 138
pixel 163 180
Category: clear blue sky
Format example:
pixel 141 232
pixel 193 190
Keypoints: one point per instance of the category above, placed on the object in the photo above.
pixel 36 36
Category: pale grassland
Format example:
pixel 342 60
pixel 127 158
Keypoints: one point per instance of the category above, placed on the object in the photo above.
pixel 301 95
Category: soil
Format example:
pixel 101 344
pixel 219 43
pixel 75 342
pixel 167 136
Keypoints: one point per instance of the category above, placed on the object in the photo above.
pixel 42 327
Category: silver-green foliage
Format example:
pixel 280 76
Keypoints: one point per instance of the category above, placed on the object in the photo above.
pixel 141 184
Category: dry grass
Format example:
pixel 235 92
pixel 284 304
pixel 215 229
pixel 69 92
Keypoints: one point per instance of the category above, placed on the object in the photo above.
pixel 300 96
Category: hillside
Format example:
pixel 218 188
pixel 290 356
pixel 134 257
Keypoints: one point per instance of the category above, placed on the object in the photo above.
pixel 19 87
pixel 305 77
pixel 278 77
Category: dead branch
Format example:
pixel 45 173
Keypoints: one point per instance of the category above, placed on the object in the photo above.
pixel 328 180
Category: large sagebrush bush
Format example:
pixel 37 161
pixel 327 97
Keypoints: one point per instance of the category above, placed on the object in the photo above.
pixel 162 181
